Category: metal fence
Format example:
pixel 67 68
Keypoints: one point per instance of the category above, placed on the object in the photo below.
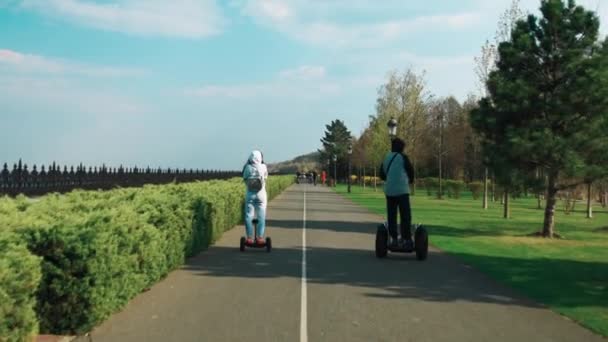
pixel 39 181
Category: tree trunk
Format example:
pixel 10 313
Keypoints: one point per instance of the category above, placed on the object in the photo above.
pixel 415 172
pixel 589 207
pixel 539 196
pixel 493 189
pixel 440 194
pixel 549 222
pixel 375 181
pixel 485 189
pixel 506 212
pixel 364 177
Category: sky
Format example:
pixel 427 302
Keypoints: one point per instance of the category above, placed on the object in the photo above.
pixel 200 83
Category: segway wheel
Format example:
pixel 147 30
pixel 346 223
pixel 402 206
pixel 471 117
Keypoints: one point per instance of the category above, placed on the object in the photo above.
pixel 268 244
pixel 243 242
pixel 422 243
pixel 381 242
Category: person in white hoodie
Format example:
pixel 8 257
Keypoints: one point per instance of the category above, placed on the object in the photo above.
pixel 255 175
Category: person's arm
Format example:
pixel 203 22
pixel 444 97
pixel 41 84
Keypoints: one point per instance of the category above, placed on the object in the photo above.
pixel 409 169
pixel 246 172
pixel 382 174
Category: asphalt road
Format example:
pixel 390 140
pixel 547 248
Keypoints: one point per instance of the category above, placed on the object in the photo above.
pixel 347 294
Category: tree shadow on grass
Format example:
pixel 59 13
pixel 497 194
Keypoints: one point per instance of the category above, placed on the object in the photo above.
pixel 435 230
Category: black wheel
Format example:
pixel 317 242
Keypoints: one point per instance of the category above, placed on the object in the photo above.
pixel 381 242
pixel 422 243
pixel 268 244
pixel 243 241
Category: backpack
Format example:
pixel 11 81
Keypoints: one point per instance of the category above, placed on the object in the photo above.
pixel 254 182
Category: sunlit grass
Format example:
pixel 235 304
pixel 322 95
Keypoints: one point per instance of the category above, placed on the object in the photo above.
pixel 569 275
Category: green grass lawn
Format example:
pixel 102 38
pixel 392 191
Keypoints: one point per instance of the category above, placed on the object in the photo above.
pixel 568 275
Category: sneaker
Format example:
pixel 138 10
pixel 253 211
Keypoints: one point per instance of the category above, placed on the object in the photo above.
pixel 261 241
pixel 249 241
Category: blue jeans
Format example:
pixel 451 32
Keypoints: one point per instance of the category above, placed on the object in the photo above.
pixel 255 202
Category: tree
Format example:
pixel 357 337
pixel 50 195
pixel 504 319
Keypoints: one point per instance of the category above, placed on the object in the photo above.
pixel 335 142
pixel 379 144
pixel 547 105
pixel 486 63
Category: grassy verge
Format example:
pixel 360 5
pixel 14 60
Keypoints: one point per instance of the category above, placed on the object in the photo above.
pixel 570 275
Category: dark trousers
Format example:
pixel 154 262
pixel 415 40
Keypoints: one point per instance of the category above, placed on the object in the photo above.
pixel 403 203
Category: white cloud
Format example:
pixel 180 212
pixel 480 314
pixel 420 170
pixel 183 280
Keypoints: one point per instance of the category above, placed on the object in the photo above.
pixel 305 73
pixel 57 94
pixel 14 61
pixel 313 22
pixel 178 18
pixel 302 81
pixel 276 10
pixel 266 90
pixel 377 34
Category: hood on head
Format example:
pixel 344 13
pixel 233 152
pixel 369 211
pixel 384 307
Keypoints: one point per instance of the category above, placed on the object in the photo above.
pixel 255 157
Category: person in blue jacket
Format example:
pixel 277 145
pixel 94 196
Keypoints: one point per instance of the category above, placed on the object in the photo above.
pixel 397 173
pixel 255 175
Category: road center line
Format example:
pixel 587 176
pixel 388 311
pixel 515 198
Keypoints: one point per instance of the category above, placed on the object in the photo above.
pixel 303 308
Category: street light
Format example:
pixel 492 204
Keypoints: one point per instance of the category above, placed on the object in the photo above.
pixel 350 152
pixel 335 170
pixel 392 128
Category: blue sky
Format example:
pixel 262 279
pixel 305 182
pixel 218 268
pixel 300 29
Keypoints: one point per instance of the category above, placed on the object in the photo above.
pixel 199 83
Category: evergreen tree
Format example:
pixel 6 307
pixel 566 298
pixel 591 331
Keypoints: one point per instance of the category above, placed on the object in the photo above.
pixel 547 105
pixel 335 142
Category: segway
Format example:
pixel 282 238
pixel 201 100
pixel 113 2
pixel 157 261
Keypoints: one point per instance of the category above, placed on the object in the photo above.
pixel 421 242
pixel 267 244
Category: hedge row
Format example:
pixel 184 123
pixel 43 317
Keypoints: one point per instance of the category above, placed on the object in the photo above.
pixel 19 278
pixel 77 258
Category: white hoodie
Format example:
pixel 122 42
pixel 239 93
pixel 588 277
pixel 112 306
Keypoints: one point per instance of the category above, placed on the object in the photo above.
pixel 255 161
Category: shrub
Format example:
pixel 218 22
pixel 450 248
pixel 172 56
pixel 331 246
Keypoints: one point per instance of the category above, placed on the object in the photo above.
pixel 98 249
pixel 457 188
pixel 476 189
pixel 19 279
pixel 431 184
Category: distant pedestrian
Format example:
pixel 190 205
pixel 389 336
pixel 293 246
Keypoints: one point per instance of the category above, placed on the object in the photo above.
pixel 323 177
pixel 314 178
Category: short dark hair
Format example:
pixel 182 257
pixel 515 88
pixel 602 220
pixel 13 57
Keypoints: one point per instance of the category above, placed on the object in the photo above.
pixel 397 145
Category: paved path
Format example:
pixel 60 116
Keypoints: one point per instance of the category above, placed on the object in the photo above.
pixel 348 294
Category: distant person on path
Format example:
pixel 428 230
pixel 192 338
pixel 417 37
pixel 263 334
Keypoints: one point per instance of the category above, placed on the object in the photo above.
pixel 314 178
pixel 397 173
pixel 255 174
pixel 323 177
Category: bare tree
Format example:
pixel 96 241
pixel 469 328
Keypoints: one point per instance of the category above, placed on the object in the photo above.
pixel 486 63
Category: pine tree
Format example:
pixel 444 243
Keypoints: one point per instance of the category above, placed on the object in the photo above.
pixel 335 142
pixel 548 100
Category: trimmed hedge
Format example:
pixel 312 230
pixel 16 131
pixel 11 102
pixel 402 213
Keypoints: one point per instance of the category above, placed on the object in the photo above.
pixel 19 278
pixel 476 189
pixel 454 188
pixel 100 249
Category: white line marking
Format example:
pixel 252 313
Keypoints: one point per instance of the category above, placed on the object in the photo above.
pixel 303 308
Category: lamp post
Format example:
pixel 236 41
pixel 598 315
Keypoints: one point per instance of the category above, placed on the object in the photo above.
pixel 335 170
pixel 350 153
pixel 392 128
